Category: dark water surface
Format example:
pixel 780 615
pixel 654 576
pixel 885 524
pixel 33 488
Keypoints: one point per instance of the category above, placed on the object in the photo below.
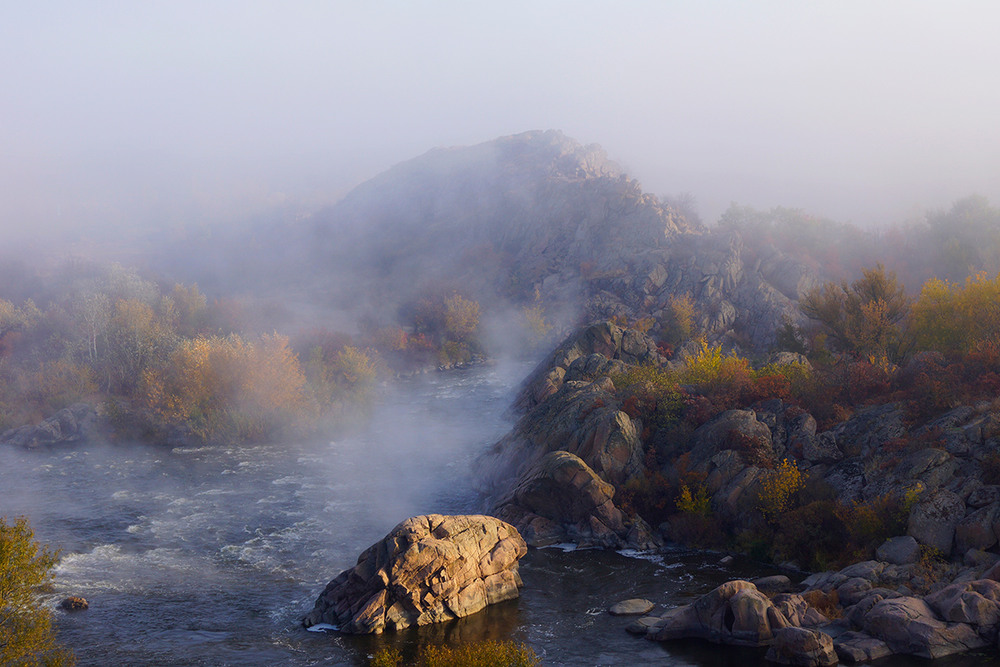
pixel 211 556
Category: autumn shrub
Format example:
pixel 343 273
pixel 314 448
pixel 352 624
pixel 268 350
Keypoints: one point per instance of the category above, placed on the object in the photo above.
pixel 872 522
pixel 756 451
pixel 651 496
pixel 867 379
pixel 461 317
pixel 536 325
pixel 387 657
pixel 778 488
pixel 677 324
pixel 650 392
pixel 812 535
pixel 709 367
pixel 53 385
pixel 227 388
pixel 697 502
pixel 490 653
pixel 697 530
pixel 827 604
pixel 27 638
pixel 866 317
pixel 954 317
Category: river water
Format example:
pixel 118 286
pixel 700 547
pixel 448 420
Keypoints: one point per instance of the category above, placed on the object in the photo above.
pixel 211 556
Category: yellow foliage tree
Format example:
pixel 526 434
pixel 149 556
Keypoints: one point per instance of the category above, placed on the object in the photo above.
pixel 461 317
pixel 678 323
pixel 26 635
pixel 137 339
pixel 777 489
pixel 864 317
pixel 711 367
pixel 955 317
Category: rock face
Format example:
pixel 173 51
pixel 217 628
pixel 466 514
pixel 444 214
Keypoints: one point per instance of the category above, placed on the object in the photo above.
pixel 908 625
pixel 582 418
pixel 429 569
pixel 560 499
pixel 73 424
pixel 598 346
pixel 800 646
pixel 933 520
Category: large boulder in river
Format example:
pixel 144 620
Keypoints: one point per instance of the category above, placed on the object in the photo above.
pixel 429 569
pixel 734 613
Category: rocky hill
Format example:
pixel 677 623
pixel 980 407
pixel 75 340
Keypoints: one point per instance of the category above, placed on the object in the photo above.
pixel 539 216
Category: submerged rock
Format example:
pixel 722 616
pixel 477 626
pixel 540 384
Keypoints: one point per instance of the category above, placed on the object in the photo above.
pixel 632 607
pixel 428 569
pixel 74 603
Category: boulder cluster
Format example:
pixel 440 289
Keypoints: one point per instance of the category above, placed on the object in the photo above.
pixel 869 622
pixel 73 424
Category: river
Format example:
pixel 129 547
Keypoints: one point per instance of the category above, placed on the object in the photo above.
pixel 211 555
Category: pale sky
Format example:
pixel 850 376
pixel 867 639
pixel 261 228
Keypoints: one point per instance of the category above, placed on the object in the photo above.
pixel 156 112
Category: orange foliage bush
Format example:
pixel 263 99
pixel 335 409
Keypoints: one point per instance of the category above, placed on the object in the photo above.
pixel 228 388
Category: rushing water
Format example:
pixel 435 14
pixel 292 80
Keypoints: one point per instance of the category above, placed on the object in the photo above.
pixel 211 556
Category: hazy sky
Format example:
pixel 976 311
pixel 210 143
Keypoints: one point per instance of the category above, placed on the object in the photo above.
pixel 159 112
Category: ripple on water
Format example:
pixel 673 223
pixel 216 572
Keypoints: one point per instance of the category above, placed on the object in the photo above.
pixel 108 567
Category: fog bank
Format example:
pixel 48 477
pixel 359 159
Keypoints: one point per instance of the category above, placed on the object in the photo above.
pixel 180 113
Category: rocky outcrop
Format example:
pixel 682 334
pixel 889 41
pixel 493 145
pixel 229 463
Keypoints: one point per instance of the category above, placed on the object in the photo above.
pixel 76 423
pixel 560 499
pixel 428 569
pixel 582 418
pixel 586 355
pixel 908 625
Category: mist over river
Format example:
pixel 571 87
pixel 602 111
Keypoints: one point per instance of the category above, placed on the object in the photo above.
pixel 212 555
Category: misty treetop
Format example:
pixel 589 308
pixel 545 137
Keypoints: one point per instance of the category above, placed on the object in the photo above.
pixel 161 360
pixel 168 362
pixel 947 244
